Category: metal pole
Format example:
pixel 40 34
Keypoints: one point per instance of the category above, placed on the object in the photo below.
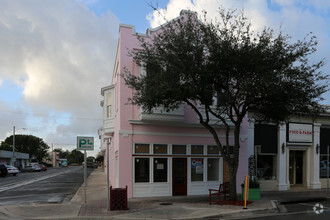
pixel 52 156
pixel 328 167
pixel 12 160
pixel 108 183
pixel 85 175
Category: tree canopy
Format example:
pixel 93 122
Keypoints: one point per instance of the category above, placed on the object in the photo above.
pixel 32 145
pixel 75 156
pixel 223 69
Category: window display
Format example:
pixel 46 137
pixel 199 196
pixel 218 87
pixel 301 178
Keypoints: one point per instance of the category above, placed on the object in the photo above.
pixel 266 167
pixel 160 170
pixel 197 169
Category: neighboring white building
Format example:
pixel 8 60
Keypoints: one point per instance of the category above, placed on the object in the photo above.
pixel 293 154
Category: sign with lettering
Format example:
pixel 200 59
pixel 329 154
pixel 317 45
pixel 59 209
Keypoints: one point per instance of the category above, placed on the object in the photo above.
pixel 85 143
pixel 252 166
pixel 302 133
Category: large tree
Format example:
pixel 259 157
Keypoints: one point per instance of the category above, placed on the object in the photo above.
pixel 75 156
pixel 62 154
pixel 32 145
pixel 223 70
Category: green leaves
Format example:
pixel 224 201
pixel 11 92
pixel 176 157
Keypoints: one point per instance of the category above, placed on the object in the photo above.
pixel 229 70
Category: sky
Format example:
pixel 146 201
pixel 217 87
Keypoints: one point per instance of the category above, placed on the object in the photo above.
pixel 55 56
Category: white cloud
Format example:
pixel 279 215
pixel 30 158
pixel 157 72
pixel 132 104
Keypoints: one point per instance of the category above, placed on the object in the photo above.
pixel 61 54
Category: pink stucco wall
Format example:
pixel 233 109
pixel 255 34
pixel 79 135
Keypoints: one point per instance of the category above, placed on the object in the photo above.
pixel 123 137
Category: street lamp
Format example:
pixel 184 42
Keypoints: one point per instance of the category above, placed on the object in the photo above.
pixel 12 161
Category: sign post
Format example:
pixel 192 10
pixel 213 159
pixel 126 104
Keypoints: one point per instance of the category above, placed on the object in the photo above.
pixel 252 166
pixel 85 143
pixel 328 167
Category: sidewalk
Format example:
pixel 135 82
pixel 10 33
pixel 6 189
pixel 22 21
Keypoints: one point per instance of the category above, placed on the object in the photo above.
pixel 179 207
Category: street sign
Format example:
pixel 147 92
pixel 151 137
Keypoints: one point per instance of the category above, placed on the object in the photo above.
pixel 252 166
pixel 85 143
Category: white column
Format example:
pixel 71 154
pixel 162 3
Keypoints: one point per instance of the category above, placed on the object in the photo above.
pixel 250 149
pixel 282 163
pixel 315 158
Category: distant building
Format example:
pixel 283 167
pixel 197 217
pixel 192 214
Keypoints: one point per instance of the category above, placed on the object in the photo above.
pixel 20 159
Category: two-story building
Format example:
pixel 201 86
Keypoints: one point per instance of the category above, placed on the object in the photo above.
pixel 163 153
pixel 170 153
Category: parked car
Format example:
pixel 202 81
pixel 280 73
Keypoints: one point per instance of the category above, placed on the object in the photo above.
pixel 31 168
pixel 12 170
pixel 43 167
pixel 3 170
pixel 92 165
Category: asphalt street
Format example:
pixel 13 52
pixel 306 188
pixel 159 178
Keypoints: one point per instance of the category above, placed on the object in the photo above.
pixel 53 186
pixel 301 211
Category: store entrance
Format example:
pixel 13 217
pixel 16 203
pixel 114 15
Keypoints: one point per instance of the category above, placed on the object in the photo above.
pixel 179 176
pixel 296 167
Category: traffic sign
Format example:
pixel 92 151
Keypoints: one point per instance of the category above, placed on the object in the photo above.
pixel 85 143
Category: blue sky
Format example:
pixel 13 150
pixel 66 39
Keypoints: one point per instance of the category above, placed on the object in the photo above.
pixel 56 55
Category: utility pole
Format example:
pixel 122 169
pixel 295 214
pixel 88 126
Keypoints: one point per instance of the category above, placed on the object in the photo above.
pixel 52 156
pixel 12 160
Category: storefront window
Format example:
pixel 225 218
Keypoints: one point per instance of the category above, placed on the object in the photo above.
pixel 160 149
pixel 160 170
pixel 212 150
pixel 324 166
pixel 197 169
pixel 142 148
pixel 266 167
pixel 213 169
pixel 197 149
pixel 142 170
pixel 179 149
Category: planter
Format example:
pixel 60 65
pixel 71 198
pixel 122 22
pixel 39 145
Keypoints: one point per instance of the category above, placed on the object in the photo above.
pixel 253 194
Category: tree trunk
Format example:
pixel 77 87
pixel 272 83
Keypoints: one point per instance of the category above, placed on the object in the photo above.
pixel 233 163
pixel 233 181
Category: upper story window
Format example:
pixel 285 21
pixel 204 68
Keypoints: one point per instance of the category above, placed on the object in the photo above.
pixel 109 105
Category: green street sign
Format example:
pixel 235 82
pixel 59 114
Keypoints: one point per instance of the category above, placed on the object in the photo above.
pixel 85 143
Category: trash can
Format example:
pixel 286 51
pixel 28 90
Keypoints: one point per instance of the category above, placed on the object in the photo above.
pixel 118 198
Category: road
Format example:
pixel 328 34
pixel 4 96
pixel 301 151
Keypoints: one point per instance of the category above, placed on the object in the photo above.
pixel 56 185
pixel 301 211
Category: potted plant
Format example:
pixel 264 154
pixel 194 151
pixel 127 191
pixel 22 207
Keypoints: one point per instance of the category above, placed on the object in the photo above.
pixel 253 190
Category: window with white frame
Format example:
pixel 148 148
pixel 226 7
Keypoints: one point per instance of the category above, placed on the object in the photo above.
pixel 213 150
pixel 178 149
pixel 109 105
pixel 213 169
pixel 197 169
pixel 160 148
pixel 142 168
pixel 160 170
pixel 142 149
pixel 197 149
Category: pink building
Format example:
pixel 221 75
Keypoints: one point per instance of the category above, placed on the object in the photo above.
pixel 163 153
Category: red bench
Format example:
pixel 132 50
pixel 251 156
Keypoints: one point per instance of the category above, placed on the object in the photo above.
pixel 216 194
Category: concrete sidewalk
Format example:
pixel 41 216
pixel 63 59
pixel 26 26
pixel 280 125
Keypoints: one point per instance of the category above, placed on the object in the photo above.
pixel 179 207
